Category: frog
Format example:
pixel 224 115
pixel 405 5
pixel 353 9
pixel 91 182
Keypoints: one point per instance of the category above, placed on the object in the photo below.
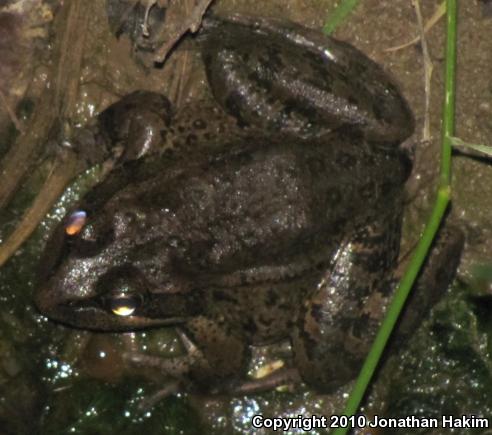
pixel 272 213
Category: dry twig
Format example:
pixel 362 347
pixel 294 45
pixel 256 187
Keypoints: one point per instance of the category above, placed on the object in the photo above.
pixel 58 100
pixel 428 68
pixel 438 14
pixel 62 172
pixel 11 113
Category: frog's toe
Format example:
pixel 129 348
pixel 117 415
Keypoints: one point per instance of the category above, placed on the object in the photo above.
pixel 176 367
pixel 278 378
pixel 170 388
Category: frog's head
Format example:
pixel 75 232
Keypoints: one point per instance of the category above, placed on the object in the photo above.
pixel 106 270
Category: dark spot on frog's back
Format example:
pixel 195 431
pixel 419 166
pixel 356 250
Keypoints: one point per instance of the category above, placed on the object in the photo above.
pixel 233 107
pixel 379 109
pixel 222 296
pixel 245 57
pixel 308 111
pixel 316 312
pixel 263 83
pixel 199 124
pixel 345 160
pixel 368 191
pixel 273 57
pixel 333 195
pixel 359 328
pixel 358 68
pixel 311 58
pixel 266 321
pixel 87 249
pixel 272 298
pixel 352 100
pixel 387 187
pixel 191 139
pixel 207 58
pixel 316 166
pixel 250 327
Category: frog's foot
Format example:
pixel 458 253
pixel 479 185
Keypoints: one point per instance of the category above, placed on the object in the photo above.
pixel 280 377
pixel 434 279
pixel 171 388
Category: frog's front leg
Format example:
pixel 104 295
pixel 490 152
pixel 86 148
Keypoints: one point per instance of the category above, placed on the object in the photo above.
pixel 134 123
pixel 126 130
pixel 223 360
pixel 338 323
pixel 224 350
pixel 216 356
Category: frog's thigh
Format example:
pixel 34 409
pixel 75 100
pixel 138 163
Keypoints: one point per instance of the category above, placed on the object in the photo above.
pixel 337 324
pixel 225 354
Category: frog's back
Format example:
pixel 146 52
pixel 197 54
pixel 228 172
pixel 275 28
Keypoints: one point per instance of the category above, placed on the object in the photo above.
pixel 249 203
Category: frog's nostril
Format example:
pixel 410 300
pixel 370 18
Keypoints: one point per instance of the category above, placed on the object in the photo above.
pixel 90 242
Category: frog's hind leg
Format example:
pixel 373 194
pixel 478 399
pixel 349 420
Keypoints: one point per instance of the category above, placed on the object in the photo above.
pixel 338 323
pixel 435 277
pixel 283 77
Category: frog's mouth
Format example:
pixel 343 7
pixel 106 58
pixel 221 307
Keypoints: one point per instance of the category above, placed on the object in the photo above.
pixel 100 313
pixel 121 299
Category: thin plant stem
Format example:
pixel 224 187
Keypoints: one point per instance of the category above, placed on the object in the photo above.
pixel 440 206
pixel 428 68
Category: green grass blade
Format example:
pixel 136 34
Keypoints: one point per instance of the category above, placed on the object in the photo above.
pixel 396 306
pixel 338 15
pixel 440 206
pixel 485 149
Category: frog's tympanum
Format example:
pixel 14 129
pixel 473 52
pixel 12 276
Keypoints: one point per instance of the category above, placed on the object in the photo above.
pixel 280 219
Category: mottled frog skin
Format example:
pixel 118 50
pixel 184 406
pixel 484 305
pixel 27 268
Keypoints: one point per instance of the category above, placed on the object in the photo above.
pixel 282 221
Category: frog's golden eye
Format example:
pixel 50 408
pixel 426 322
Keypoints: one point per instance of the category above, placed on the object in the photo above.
pixel 124 305
pixel 75 222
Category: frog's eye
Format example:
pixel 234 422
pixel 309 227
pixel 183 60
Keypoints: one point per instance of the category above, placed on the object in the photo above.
pixel 75 222
pixel 124 305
